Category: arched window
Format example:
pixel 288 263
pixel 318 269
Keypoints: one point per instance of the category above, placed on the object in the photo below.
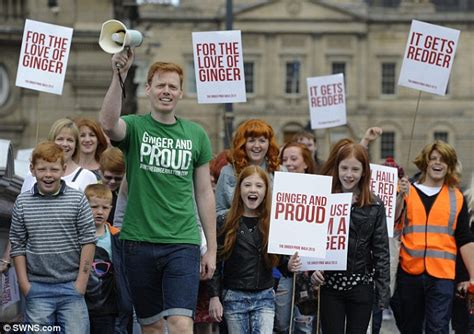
pixel 4 85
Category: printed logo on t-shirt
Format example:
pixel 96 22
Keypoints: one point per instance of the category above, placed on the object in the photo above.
pixel 165 155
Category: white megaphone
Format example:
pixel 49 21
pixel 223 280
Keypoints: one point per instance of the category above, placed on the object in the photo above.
pixel 115 36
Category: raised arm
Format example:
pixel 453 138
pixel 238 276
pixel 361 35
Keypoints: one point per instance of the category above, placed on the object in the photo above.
pixel 370 135
pixel 109 116
pixel 207 212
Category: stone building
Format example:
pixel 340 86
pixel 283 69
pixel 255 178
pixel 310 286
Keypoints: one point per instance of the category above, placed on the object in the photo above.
pixel 284 42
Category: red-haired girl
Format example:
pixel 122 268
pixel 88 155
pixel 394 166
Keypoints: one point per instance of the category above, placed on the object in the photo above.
pixel 347 297
pixel 245 267
pixel 254 144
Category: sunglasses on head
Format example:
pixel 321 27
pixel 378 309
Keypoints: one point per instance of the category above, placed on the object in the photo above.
pixel 115 178
pixel 101 268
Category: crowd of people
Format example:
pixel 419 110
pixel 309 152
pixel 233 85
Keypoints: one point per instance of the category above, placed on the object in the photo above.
pixel 132 218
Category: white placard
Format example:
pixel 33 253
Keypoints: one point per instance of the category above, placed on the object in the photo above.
pixel 299 214
pixel 383 183
pixel 43 58
pixel 219 66
pixel 429 56
pixel 338 236
pixel 327 101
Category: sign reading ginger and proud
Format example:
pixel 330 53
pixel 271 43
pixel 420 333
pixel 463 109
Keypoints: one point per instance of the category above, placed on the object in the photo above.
pixel 327 101
pixel 299 215
pixel 43 58
pixel 219 67
pixel 429 57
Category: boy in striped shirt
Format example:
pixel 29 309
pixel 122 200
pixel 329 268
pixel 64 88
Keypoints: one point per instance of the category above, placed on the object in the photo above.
pixel 53 242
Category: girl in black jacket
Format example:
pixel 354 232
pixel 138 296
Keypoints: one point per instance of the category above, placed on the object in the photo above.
pixel 347 297
pixel 245 267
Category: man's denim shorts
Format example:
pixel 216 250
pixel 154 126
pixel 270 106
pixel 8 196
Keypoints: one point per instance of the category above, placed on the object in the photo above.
pixel 163 278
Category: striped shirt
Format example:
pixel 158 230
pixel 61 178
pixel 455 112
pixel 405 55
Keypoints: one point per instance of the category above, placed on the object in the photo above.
pixel 49 231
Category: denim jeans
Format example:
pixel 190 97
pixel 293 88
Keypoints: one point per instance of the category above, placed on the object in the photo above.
pixel 57 304
pixel 163 278
pixel 303 324
pixel 249 311
pixel 283 304
pixel 425 300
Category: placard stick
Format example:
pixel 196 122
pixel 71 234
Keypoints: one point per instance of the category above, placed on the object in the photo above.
pixel 413 130
pixel 318 313
pixel 37 120
pixel 328 138
pixel 292 302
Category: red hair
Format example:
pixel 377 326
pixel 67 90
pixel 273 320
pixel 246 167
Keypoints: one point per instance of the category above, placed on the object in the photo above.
pixel 216 164
pixel 95 127
pixel 359 152
pixel 305 154
pixel 328 165
pixel 165 67
pixel 253 128
pixel 48 151
pixel 236 211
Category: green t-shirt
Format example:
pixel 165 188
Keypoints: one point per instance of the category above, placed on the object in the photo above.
pixel 161 160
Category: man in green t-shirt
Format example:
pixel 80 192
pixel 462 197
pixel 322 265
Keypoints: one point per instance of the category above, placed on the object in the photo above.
pixel 168 177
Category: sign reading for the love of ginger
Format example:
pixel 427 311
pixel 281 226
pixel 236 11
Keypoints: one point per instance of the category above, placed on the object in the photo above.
pixel 218 65
pixel 43 58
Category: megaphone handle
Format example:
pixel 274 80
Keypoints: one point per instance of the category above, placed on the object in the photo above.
pixel 122 84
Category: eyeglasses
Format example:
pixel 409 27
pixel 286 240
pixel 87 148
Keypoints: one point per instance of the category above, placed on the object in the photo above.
pixel 101 268
pixel 115 178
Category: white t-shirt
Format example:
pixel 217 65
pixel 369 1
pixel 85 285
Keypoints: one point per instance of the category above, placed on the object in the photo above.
pixel 429 191
pixel 79 179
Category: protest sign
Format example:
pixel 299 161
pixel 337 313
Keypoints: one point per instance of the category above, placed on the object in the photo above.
pixel 327 101
pixel 337 236
pixel 383 183
pixel 219 67
pixel 299 214
pixel 43 58
pixel 429 56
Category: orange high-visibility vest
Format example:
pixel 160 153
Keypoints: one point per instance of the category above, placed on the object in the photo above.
pixel 428 243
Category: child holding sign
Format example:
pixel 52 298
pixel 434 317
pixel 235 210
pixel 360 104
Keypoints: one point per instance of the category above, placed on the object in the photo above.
pixel 349 295
pixel 248 300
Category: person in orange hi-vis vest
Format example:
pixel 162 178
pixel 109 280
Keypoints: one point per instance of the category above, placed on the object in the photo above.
pixel 435 227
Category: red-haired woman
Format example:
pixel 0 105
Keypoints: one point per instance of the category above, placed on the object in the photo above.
pixel 92 142
pixel 254 144
pixel 245 268
pixel 347 297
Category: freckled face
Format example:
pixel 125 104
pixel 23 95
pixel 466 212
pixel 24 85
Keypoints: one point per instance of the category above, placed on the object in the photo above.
pixel 48 175
pixel 256 149
pixel 164 91
pixel 252 192
pixel 350 173
pixel 293 160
